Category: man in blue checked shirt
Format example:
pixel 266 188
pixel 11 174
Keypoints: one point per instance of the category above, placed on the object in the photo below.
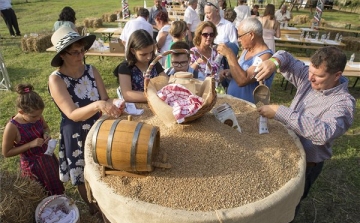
pixel 322 109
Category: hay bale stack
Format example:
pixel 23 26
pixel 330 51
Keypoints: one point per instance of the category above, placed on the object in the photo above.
pixel 118 12
pixel 29 42
pixel 97 23
pixel 24 46
pixel 112 18
pixel 136 9
pixel 80 29
pixel 87 23
pixel 36 43
pixel 104 17
pixel 352 43
pixel 93 22
pixel 20 197
pixel 42 42
pixel 300 19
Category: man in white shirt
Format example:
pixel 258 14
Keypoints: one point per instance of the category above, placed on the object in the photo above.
pixel 139 23
pixel 192 20
pixel 226 30
pixel 242 12
pixel 283 16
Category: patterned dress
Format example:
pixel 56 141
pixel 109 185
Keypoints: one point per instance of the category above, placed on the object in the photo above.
pixel 34 163
pixel 203 68
pixel 73 134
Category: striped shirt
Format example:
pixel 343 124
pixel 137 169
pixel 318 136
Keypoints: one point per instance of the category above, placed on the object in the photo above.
pixel 317 117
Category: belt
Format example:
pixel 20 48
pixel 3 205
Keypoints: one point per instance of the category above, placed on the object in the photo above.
pixel 311 164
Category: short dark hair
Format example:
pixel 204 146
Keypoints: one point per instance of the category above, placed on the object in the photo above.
pixel 143 12
pixel 67 14
pixel 180 45
pixel 230 14
pixel 333 57
pixel 138 40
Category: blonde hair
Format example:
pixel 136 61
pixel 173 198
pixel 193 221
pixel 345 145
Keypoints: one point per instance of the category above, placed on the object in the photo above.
pixel 177 28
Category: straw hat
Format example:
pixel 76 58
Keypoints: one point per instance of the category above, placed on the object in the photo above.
pixel 64 37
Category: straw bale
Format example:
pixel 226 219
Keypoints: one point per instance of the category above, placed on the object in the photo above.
pixel 352 43
pixel 136 9
pixel 24 46
pixel 300 19
pixel 20 197
pixel 105 17
pixel 42 42
pixel 118 12
pixel 112 18
pixel 97 23
pixel 87 23
pixel 80 29
pixel 29 43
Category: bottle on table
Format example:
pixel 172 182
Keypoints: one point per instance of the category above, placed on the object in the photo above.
pixel 352 58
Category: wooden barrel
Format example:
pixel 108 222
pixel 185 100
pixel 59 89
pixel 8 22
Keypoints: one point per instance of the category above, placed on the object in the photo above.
pixel 125 145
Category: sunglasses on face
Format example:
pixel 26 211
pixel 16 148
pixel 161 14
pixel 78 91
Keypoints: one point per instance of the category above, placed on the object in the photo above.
pixel 206 35
pixel 211 4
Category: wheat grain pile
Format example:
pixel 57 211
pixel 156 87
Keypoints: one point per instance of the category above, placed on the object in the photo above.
pixel 213 165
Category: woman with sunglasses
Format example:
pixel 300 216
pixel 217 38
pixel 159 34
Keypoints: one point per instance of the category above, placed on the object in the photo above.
pixel 204 51
pixel 130 73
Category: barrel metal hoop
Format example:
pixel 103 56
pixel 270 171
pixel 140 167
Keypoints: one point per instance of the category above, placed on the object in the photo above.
pixel 94 139
pixel 134 145
pixel 153 134
pixel 109 143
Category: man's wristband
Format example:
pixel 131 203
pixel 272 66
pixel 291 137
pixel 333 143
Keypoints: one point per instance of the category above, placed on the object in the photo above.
pixel 275 62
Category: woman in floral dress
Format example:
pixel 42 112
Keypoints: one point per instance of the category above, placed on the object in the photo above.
pixel 79 92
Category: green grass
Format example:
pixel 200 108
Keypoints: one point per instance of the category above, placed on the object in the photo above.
pixel 335 196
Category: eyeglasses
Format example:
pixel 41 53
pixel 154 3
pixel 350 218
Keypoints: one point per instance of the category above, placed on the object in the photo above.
pixel 206 35
pixel 211 4
pixel 179 63
pixel 76 53
pixel 243 34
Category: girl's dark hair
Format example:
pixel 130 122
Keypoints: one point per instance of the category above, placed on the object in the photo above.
pixel 332 57
pixel 28 100
pixel 67 14
pixel 138 40
pixel 162 16
pixel 270 10
pixel 177 28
